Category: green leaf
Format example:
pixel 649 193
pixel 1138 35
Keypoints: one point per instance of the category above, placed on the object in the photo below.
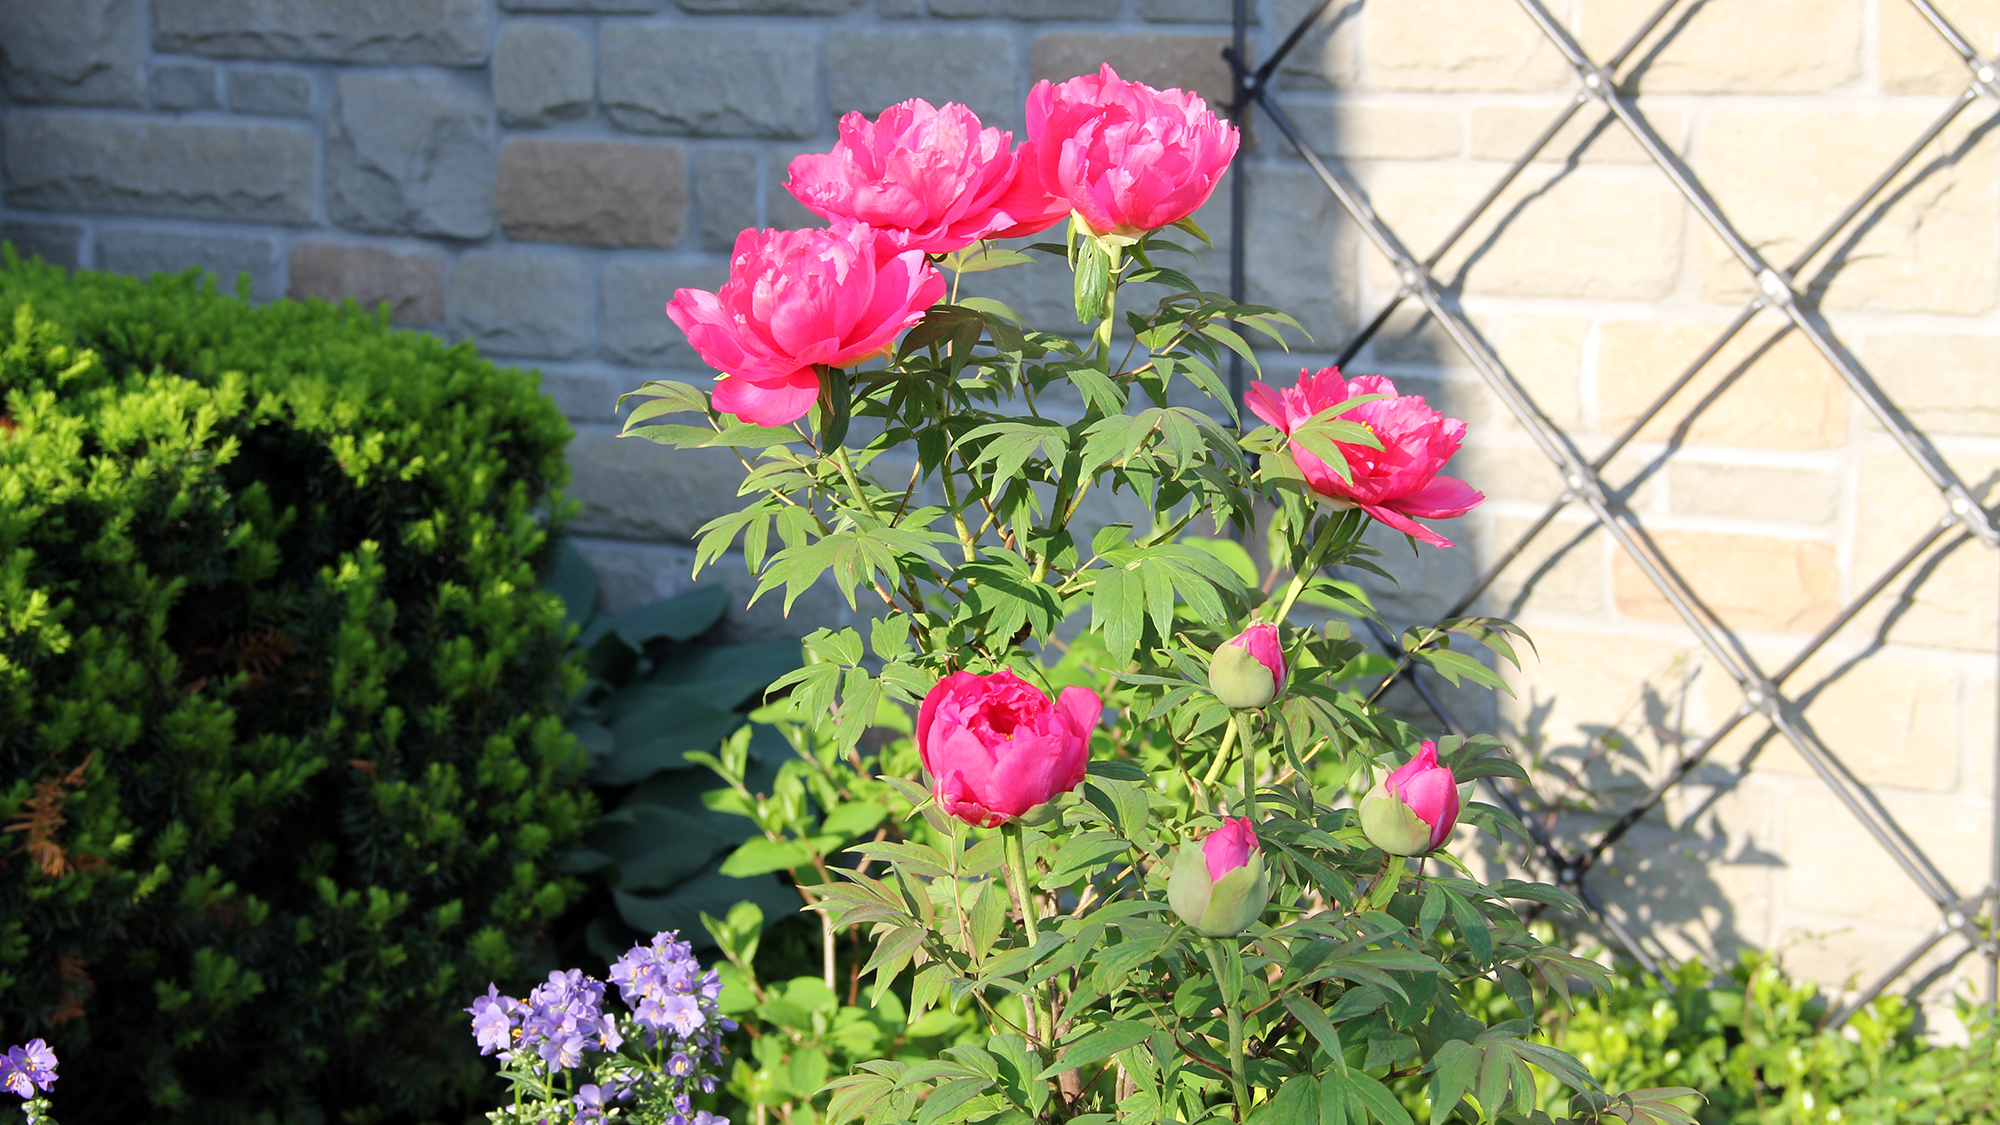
pixel 1118 611
pixel 980 257
pixel 1373 1096
pixel 1322 1029
pixel 1296 1103
pixel 1109 1039
pixel 1457 1070
pixel 1093 280
pixel 763 854
pixel 1559 1065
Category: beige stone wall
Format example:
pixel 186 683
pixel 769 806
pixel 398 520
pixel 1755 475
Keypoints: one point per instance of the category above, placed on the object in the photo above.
pixel 1781 501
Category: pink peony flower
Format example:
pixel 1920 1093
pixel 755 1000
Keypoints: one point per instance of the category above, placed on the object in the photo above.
pixel 1230 846
pixel 996 747
pixel 1124 156
pixel 1414 808
pixel 796 298
pixel 1398 483
pixel 925 178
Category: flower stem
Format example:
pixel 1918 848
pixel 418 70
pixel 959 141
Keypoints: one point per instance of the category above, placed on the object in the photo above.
pixel 853 480
pixel 1232 1006
pixel 1214 773
pixel 1298 585
pixel 1024 900
pixel 1241 720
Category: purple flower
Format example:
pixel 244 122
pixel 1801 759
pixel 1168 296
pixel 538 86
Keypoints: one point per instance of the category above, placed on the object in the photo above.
pixel 493 1020
pixel 682 1013
pixel 679 1065
pixel 707 1118
pixel 27 1067
pixel 590 1103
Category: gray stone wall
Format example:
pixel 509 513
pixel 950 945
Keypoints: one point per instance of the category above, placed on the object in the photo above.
pixel 535 176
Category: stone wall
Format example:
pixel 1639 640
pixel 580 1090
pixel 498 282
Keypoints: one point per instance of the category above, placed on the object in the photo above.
pixel 538 176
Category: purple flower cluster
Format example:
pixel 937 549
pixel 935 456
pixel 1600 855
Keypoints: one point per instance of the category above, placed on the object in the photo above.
pixel 561 1020
pixel 26 1068
pixel 675 1018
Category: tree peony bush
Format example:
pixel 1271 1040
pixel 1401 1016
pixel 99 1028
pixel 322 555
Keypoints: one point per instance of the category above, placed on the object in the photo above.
pixel 1125 847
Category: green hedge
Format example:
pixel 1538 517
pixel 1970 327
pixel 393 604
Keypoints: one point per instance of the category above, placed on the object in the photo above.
pixel 281 753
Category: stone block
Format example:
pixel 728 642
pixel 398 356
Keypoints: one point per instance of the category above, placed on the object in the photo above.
pixel 633 574
pixel 141 253
pixel 1733 46
pixel 1892 719
pixel 1601 232
pixel 1705 891
pixel 1561 571
pixel 1786 396
pixel 631 488
pixel 182 86
pixel 76 52
pixel 1753 492
pixel 710 81
pixel 1328 56
pixel 597 193
pixel 1844 952
pixel 1581 694
pixel 1833 866
pixel 725 194
pixel 1026 9
pixel 1504 132
pixel 59 244
pixel 443 32
pixel 1372 131
pixel 635 294
pixel 412 283
pixel 782 210
pixel 1191 11
pixel 1544 353
pixel 607 7
pixel 271 93
pixel 1943 384
pixel 1912 58
pixel 240 172
pixel 409 153
pixel 772 7
pixel 1946 601
pixel 868 71
pixel 1458 45
pixel 1506 469
pixel 1301 250
pixel 520 302
pixel 541 73
pixel 1932 244
pixel 1752 583
pixel 1190 62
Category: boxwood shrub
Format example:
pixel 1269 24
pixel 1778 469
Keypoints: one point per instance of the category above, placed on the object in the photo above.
pixel 283 776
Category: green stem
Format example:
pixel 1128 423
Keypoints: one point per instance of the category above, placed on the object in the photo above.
pixel 1024 900
pixel 1298 585
pixel 1241 719
pixel 853 480
pixel 1214 773
pixel 1232 1006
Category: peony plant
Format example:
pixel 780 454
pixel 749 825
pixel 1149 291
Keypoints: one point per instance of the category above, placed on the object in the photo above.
pixel 1127 842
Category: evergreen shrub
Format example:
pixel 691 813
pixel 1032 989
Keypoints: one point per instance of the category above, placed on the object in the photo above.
pixel 283 773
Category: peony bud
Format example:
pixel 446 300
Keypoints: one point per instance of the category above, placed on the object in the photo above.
pixel 1248 670
pixel 1413 809
pixel 1220 888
